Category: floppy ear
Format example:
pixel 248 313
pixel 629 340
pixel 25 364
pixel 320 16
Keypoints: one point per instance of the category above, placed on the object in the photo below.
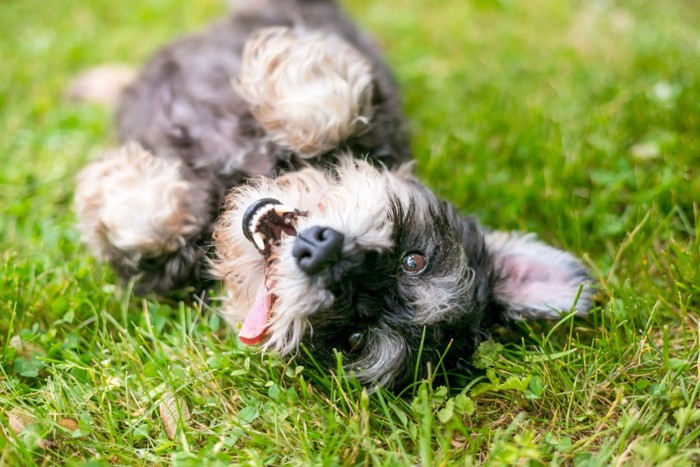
pixel 536 280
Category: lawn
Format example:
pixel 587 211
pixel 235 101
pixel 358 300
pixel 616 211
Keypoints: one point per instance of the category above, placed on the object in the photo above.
pixel 577 120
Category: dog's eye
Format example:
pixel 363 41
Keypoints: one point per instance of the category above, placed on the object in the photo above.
pixel 414 263
pixel 356 340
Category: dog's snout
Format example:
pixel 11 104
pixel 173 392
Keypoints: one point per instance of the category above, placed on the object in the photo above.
pixel 317 248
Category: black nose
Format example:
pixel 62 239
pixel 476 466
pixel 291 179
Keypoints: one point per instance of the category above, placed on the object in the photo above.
pixel 316 248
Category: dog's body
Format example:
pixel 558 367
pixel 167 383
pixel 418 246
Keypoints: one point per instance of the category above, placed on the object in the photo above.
pixel 341 255
pixel 279 84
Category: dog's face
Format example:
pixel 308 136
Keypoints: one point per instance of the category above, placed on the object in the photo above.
pixel 369 263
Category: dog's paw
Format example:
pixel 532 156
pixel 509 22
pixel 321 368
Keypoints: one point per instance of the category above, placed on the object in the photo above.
pixel 133 205
pixel 309 90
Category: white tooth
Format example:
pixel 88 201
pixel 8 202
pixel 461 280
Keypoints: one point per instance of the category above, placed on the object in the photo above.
pixel 281 209
pixel 259 240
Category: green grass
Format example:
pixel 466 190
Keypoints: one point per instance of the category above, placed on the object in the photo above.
pixel 577 120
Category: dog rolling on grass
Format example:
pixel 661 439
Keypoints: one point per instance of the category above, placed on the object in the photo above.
pixel 326 240
pixel 278 85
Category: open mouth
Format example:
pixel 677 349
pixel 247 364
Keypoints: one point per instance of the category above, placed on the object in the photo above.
pixel 266 220
pixel 264 224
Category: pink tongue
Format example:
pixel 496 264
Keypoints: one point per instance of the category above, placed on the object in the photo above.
pixel 253 330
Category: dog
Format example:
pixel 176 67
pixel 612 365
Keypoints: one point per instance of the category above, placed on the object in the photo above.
pixel 369 263
pixel 307 85
pixel 327 241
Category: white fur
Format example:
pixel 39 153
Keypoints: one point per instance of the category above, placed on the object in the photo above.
pixel 310 90
pixel 136 203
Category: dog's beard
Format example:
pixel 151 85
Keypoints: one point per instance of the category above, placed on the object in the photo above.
pixel 408 276
pixel 338 201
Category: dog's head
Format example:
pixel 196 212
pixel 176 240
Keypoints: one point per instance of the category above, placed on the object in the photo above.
pixel 369 263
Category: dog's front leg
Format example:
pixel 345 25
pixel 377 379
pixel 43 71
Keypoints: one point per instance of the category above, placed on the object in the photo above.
pixel 141 214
